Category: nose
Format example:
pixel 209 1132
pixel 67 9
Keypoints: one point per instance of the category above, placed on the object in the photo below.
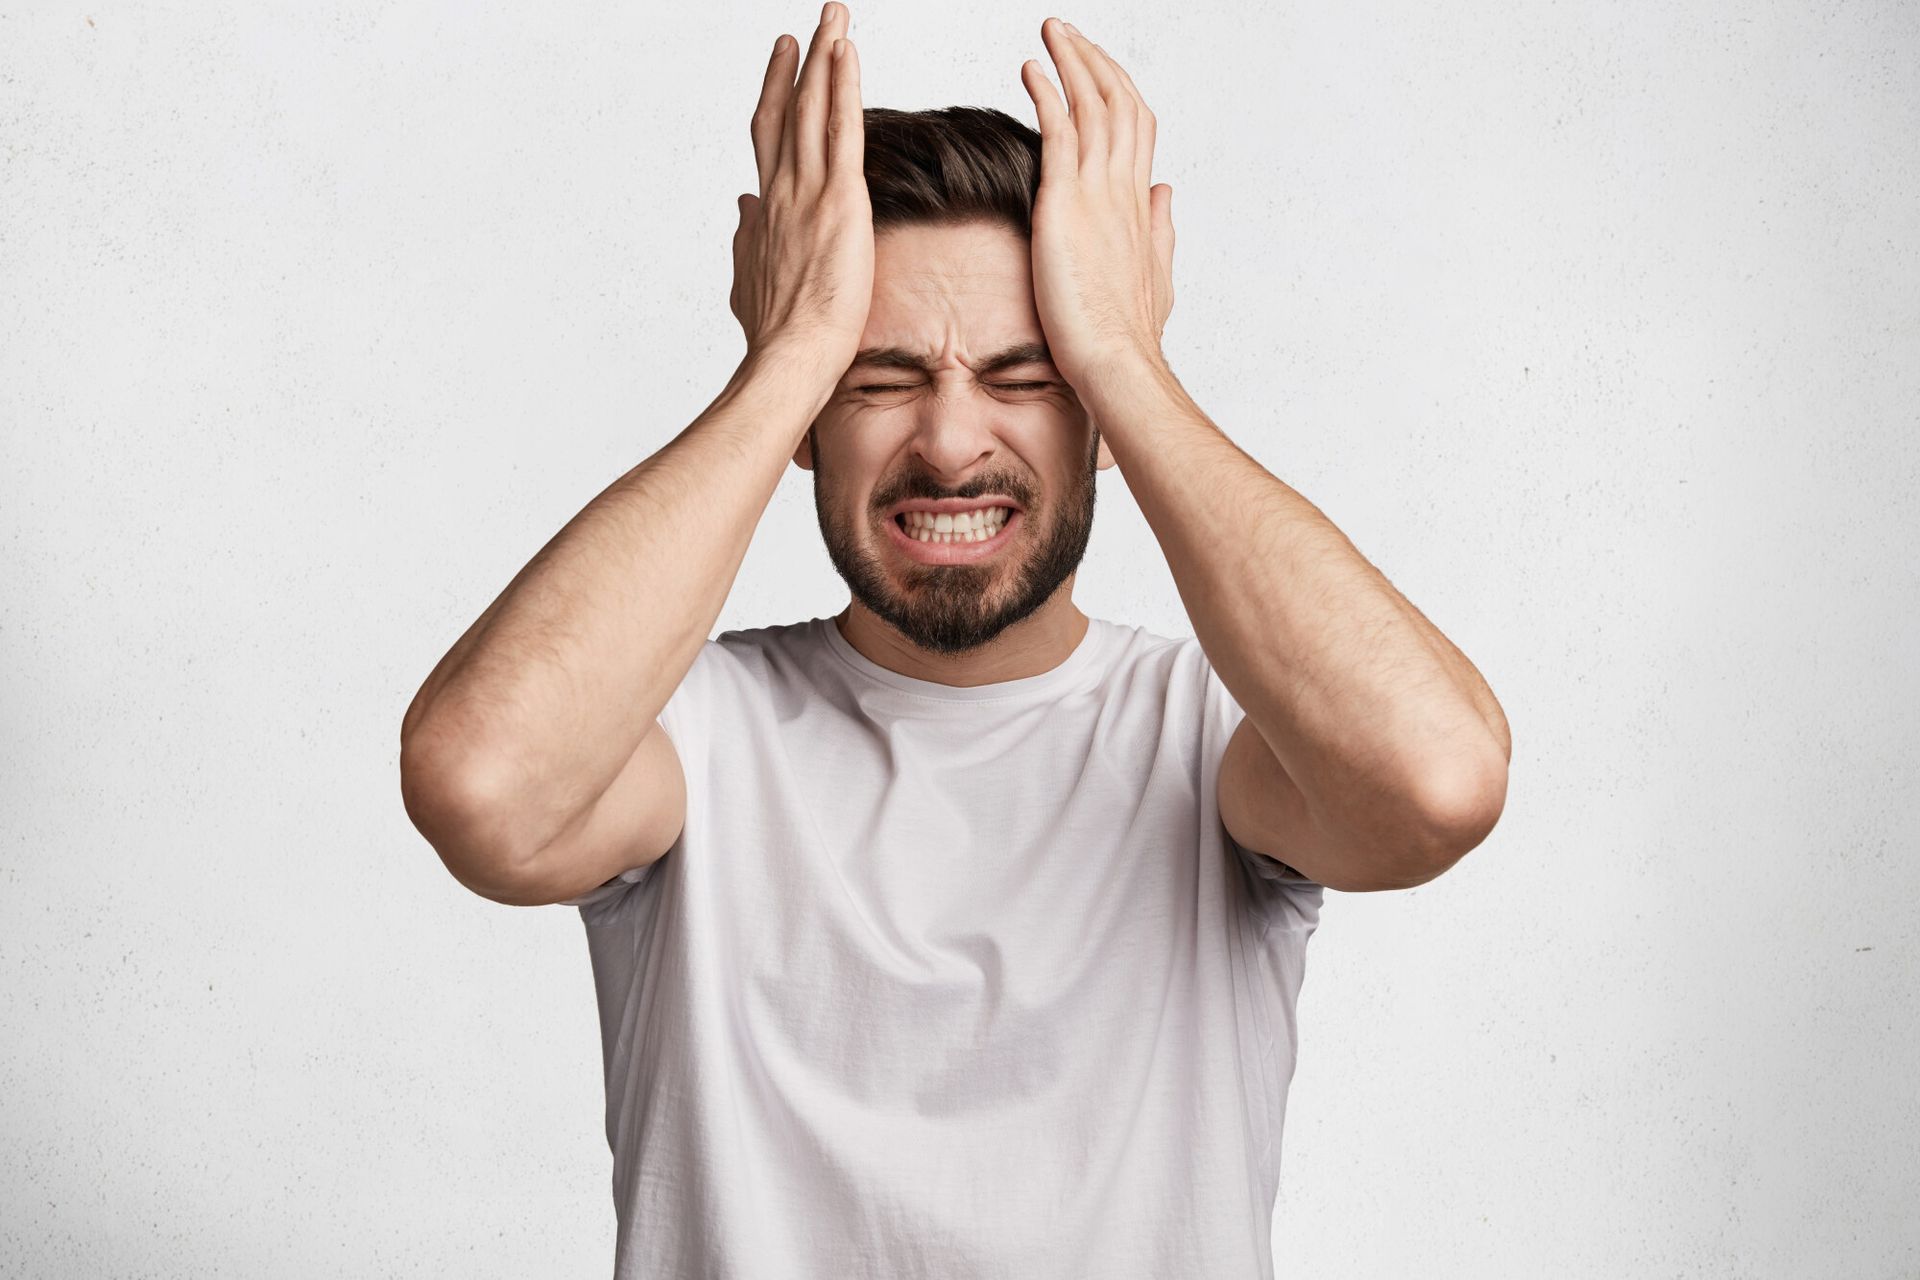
pixel 955 428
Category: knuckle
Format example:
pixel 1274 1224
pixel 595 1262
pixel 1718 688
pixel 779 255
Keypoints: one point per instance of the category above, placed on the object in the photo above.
pixel 847 203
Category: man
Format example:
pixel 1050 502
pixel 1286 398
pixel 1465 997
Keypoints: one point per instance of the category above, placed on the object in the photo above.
pixel 958 934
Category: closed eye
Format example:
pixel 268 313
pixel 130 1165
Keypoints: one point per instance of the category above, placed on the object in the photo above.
pixel 1002 386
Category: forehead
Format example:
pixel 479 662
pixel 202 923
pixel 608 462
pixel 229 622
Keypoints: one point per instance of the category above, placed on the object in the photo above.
pixel 951 291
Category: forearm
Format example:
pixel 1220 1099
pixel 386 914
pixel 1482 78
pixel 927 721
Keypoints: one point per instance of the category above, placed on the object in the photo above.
pixel 543 700
pixel 1376 717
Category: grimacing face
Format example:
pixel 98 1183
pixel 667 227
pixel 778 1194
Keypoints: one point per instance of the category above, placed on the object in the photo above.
pixel 954 296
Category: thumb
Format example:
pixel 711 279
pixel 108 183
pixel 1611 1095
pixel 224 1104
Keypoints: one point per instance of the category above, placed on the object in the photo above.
pixel 749 214
pixel 1160 203
pixel 1161 199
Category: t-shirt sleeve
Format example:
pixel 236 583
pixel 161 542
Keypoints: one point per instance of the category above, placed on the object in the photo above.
pixel 684 719
pixel 1265 867
pixel 1281 891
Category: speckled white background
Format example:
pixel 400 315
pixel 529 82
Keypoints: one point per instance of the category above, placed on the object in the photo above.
pixel 1597 327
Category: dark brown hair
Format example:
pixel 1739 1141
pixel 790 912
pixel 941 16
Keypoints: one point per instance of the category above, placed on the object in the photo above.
pixel 951 164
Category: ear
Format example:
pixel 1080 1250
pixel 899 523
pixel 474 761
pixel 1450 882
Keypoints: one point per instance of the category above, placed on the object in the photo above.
pixel 1102 456
pixel 803 455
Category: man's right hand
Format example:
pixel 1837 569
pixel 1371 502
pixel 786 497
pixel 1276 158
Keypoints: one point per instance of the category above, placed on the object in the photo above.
pixel 803 254
pixel 533 758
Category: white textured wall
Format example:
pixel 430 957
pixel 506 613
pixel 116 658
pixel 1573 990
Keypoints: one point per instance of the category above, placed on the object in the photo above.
pixel 1597 327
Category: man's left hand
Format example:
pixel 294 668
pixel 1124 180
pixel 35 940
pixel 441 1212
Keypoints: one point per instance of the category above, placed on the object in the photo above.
pixel 1102 237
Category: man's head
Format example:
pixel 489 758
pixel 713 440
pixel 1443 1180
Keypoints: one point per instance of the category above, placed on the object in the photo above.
pixel 953 396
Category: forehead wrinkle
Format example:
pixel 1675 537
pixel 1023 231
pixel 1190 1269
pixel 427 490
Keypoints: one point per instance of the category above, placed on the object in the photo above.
pixel 1020 353
pixel 938 294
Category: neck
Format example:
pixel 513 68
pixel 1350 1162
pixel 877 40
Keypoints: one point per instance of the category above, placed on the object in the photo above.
pixel 1032 646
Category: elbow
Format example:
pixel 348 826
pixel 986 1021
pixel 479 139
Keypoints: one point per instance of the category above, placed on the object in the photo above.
pixel 1460 806
pixel 1416 835
pixel 456 808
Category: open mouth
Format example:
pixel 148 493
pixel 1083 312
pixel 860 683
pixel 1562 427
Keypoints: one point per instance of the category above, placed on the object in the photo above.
pixel 963 541
pixel 961 528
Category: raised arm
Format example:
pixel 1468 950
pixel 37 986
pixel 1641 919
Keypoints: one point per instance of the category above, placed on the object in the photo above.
pixel 531 757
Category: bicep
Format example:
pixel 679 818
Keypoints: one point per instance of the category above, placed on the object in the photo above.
pixel 1260 806
pixel 1266 813
pixel 633 823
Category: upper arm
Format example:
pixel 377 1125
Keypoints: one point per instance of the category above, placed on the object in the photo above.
pixel 634 822
pixel 1266 813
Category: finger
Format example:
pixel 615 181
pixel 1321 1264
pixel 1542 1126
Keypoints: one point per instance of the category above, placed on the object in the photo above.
pixel 1083 96
pixel 1160 228
pixel 769 117
pixel 1059 150
pixel 1161 199
pixel 1144 125
pixel 749 211
pixel 847 126
pixel 749 214
pixel 807 121
pixel 1120 74
pixel 789 165
pixel 1119 107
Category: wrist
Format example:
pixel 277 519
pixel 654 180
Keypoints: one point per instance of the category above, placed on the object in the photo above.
pixel 787 374
pixel 810 361
pixel 1125 376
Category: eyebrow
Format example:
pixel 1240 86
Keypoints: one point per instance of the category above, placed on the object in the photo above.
pixel 901 358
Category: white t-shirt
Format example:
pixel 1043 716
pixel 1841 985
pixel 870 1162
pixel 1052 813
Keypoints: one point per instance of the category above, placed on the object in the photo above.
pixel 948 982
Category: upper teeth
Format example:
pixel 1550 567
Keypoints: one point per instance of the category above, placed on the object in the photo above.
pixel 957 526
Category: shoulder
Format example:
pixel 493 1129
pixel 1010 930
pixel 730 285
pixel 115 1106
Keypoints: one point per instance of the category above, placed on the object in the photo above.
pixel 760 651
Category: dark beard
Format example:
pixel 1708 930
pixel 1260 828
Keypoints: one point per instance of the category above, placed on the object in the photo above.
pixel 945 609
